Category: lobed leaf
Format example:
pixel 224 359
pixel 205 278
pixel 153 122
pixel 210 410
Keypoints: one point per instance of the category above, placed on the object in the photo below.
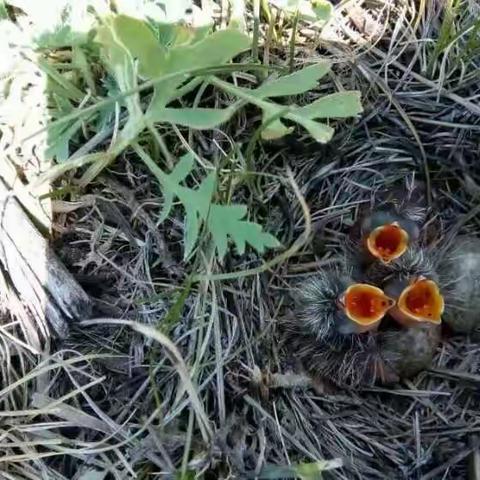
pixel 198 118
pixel 225 221
pixel 273 128
pixel 319 131
pixel 119 59
pixel 215 49
pixel 336 105
pixel 181 170
pixel 197 204
pixel 127 41
pixel 139 42
pixel 295 83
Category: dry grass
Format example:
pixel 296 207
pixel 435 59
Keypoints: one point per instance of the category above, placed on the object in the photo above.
pixel 121 398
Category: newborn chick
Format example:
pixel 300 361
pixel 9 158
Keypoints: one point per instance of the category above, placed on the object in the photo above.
pixel 385 231
pixel 409 351
pixel 460 274
pixel 413 282
pixel 330 331
pixel 331 305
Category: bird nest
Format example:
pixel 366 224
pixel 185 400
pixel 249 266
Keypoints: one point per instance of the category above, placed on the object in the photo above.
pixel 110 399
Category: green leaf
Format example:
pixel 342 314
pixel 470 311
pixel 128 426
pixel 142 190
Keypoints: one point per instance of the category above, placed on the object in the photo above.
pixel 3 10
pixel 214 50
pixel 181 170
pixel 225 221
pixel 295 83
pixel 93 474
pixel 137 42
pixel 60 135
pixel 202 198
pixel 175 34
pixel 196 203
pixel 319 131
pixel 120 61
pixel 198 118
pixel 336 105
pixel 316 10
pixel 222 221
pixel 153 60
pixel 304 471
pixel 191 231
pixel 174 314
pixel 127 41
pixel 59 138
pixel 323 10
pixel 60 23
pixel 273 128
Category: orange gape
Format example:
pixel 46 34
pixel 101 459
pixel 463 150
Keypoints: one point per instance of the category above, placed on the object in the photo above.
pixel 421 301
pixel 388 242
pixel 365 304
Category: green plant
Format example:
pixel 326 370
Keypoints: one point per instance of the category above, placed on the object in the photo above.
pixel 458 37
pixel 175 60
pixel 318 11
pixel 302 471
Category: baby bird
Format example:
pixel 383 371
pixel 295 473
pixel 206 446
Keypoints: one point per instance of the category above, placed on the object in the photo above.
pixel 460 274
pixel 413 282
pixel 331 305
pixel 331 329
pixel 408 351
pixel 386 230
pixel 418 301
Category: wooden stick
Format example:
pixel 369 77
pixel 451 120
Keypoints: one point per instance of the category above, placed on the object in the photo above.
pixel 38 277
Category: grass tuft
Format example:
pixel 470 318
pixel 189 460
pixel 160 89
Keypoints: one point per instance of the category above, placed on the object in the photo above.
pixel 184 373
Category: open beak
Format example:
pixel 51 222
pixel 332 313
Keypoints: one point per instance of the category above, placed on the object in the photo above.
pixel 387 242
pixel 365 305
pixel 421 301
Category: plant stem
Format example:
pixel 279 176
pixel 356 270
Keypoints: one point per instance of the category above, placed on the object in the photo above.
pixel 163 146
pixel 256 29
pixel 268 42
pixel 292 42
